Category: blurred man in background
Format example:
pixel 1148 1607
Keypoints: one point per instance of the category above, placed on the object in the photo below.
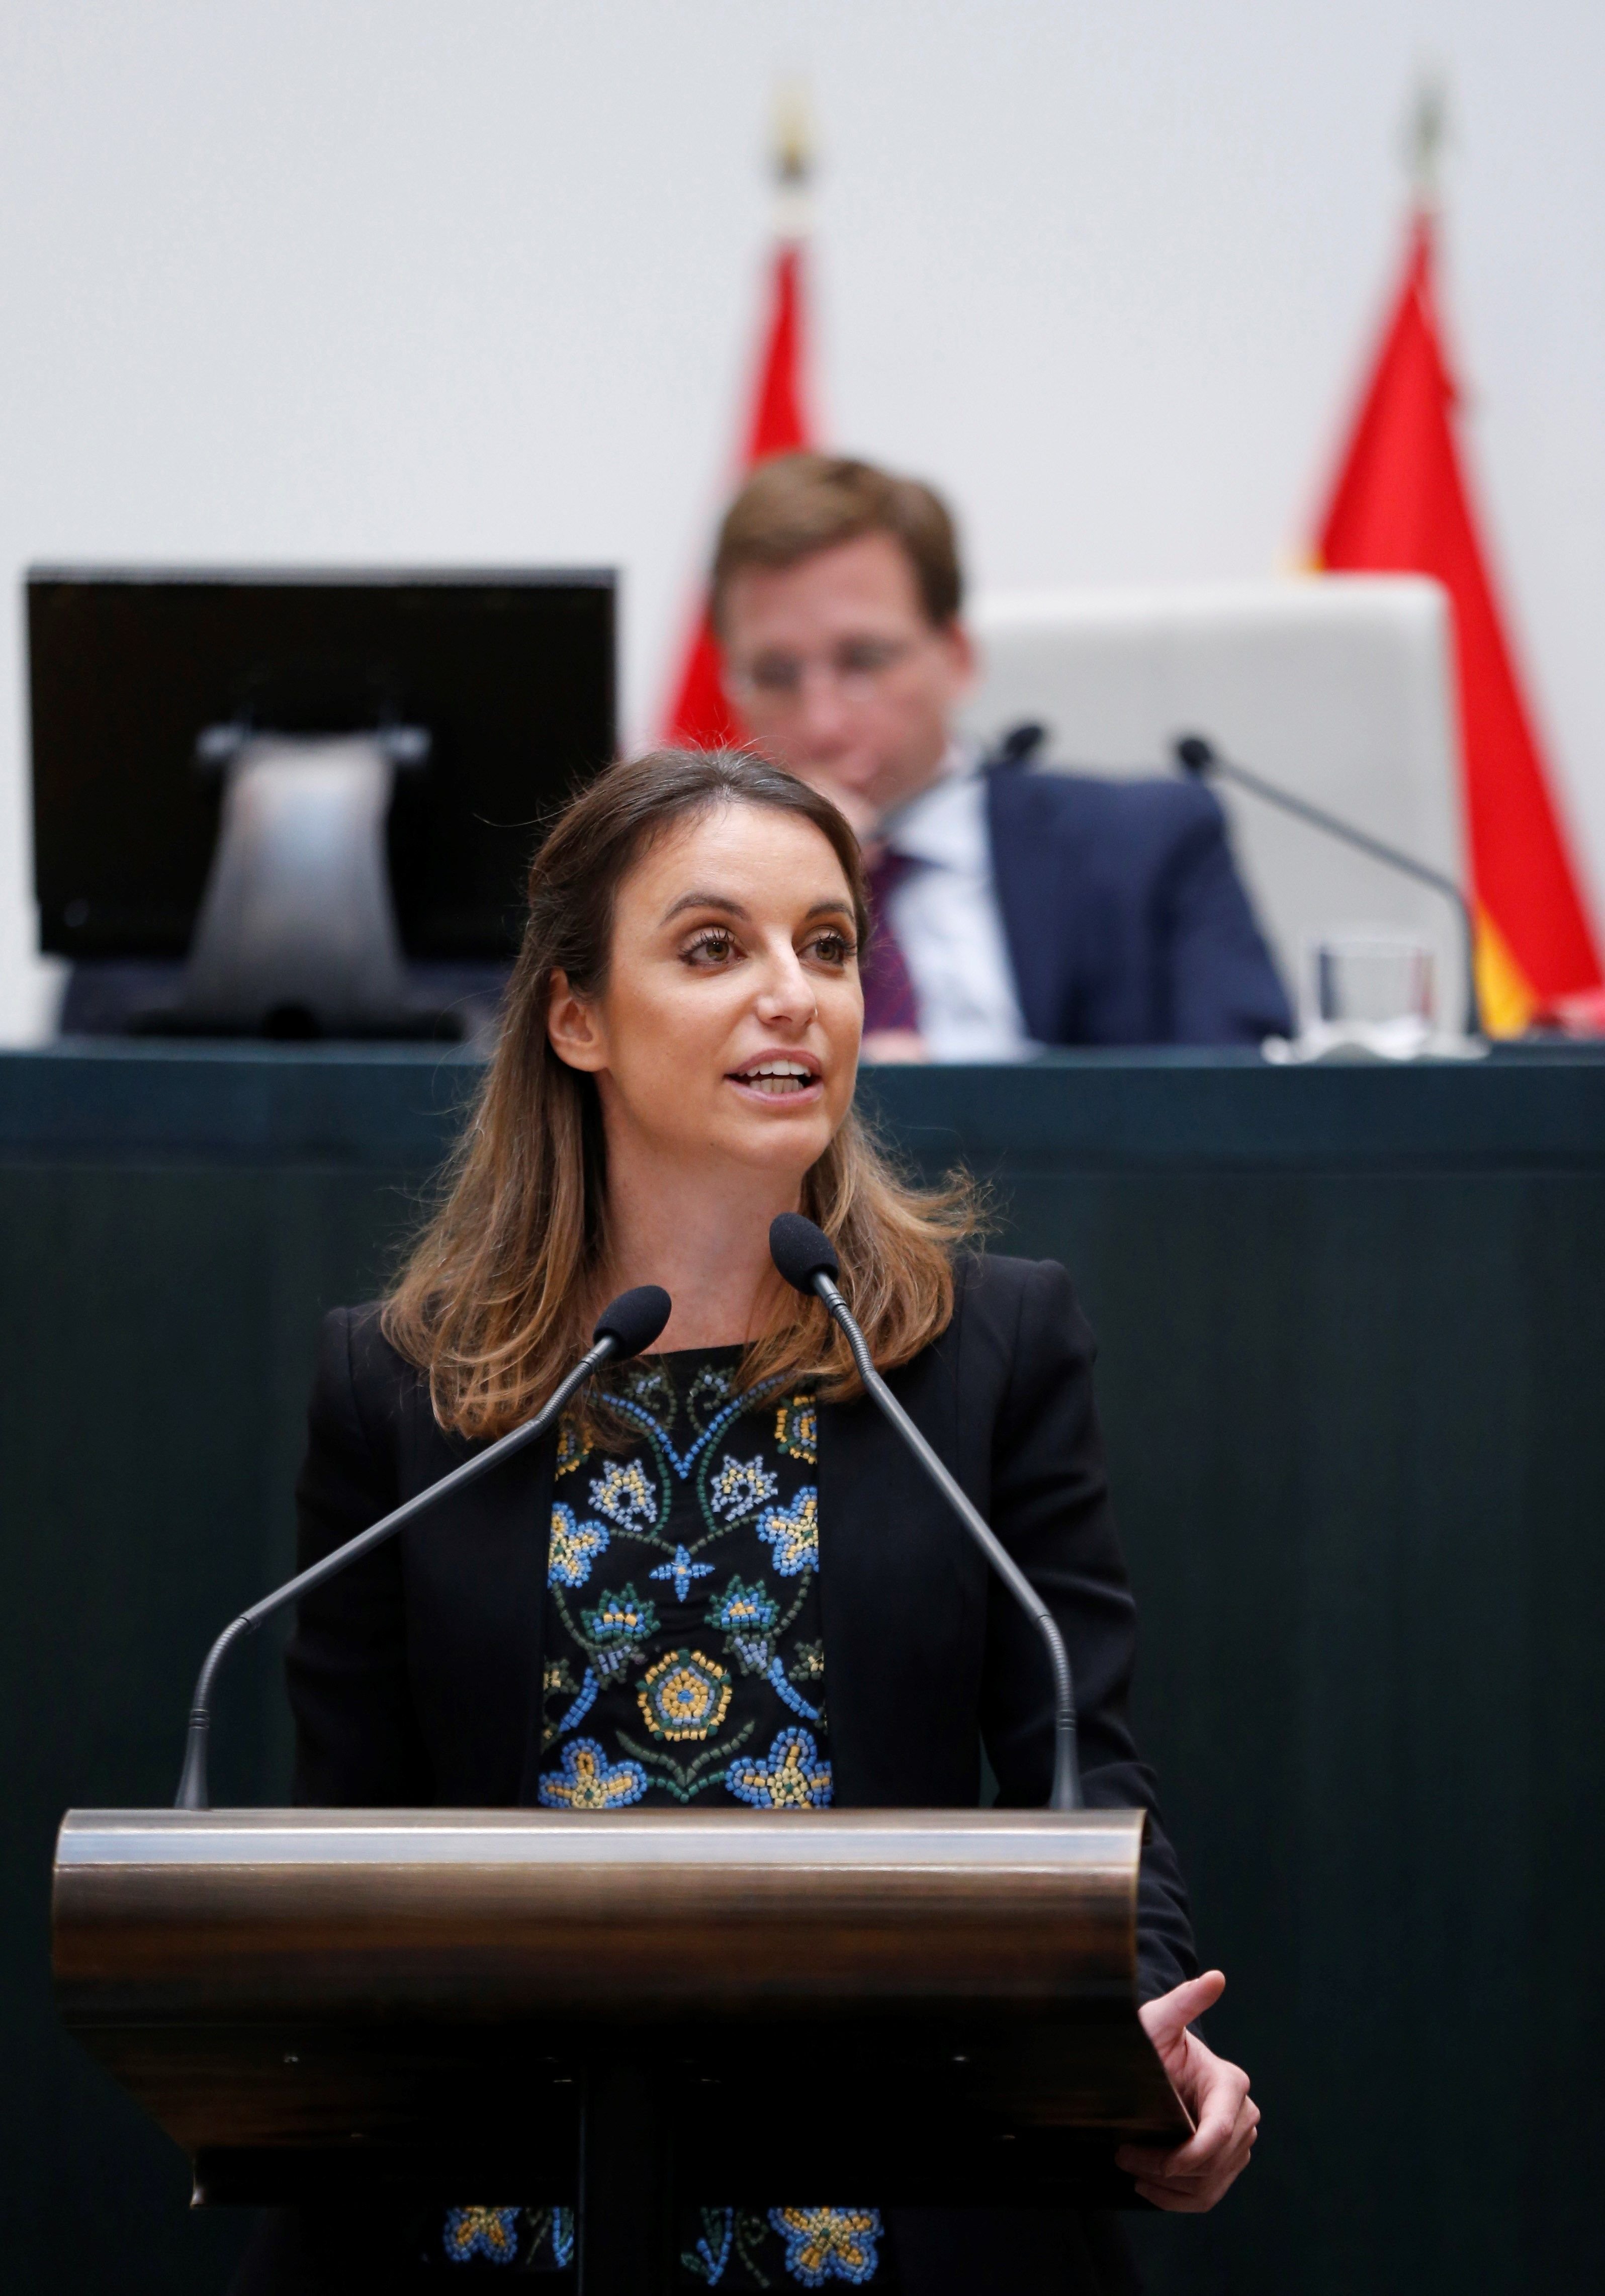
pixel 1015 909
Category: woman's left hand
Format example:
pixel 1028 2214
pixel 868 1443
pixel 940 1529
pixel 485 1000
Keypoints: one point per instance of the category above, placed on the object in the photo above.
pixel 1225 2117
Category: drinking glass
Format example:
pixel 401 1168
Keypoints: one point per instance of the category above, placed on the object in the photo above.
pixel 1366 980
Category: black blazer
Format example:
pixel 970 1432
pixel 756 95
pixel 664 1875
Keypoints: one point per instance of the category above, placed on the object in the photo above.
pixel 1126 919
pixel 415 1676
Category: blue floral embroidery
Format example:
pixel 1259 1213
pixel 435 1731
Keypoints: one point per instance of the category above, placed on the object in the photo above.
pixel 490 2232
pixel 616 1625
pixel 623 1493
pixel 587 1780
pixel 829 2244
pixel 789 1777
pixel 718 2224
pixel 793 1533
pixel 740 1486
pixel 685 1695
pixel 562 2237
pixel 747 1613
pixel 787 1695
pixel 744 1609
pixel 635 1403
pixel 682 1569
pixel 584 1698
pixel 574 1546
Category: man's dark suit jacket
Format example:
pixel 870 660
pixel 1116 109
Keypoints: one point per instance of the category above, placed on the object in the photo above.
pixel 415 1677
pixel 1125 917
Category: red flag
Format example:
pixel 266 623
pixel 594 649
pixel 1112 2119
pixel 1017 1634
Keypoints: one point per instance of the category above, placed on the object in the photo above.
pixel 1402 505
pixel 701 717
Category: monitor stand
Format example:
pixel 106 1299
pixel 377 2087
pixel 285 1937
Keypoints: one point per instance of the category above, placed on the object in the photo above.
pixel 297 932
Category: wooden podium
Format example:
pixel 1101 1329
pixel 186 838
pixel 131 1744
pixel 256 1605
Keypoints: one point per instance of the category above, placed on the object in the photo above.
pixel 902 2006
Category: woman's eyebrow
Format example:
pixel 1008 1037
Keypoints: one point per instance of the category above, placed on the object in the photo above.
pixel 833 906
pixel 720 901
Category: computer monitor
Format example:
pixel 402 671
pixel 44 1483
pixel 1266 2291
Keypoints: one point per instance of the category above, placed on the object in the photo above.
pixel 510 674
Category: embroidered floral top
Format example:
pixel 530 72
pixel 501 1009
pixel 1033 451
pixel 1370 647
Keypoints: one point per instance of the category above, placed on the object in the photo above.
pixel 684 1658
pixel 735 2250
pixel 685 1663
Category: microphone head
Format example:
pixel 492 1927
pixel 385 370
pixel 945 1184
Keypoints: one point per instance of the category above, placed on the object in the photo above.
pixel 633 1320
pixel 1194 755
pixel 801 1251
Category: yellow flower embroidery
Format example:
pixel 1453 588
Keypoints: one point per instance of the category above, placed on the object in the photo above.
pixel 792 1534
pixel 574 1547
pixel 828 2244
pixel 684 1696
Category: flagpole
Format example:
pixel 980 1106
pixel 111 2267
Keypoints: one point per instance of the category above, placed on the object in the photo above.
pixel 791 151
pixel 777 420
pixel 1425 139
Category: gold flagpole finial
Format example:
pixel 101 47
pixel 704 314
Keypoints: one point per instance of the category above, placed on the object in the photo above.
pixel 1426 136
pixel 791 159
pixel 793 139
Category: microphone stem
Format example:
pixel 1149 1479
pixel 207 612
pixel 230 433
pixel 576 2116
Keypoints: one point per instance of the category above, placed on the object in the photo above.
pixel 1317 817
pixel 1066 1780
pixel 193 1792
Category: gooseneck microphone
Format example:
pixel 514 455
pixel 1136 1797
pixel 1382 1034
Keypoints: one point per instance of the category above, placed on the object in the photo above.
pixel 805 1256
pixel 629 1324
pixel 1200 758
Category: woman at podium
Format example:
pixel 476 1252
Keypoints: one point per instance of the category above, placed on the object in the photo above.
pixel 745 1593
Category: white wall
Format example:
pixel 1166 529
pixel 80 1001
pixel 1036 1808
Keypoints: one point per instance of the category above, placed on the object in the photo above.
pixel 459 280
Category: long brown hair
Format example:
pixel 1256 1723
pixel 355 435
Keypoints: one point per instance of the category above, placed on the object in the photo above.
pixel 496 1297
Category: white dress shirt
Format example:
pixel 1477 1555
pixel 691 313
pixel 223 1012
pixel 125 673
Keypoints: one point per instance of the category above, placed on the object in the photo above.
pixel 946 916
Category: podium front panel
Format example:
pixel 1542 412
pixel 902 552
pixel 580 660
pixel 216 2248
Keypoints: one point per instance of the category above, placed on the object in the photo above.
pixel 304 1996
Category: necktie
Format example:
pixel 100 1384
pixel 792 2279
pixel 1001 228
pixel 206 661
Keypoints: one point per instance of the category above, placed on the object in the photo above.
pixel 889 990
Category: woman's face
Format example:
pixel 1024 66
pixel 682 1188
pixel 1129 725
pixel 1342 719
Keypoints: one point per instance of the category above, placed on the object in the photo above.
pixel 728 1030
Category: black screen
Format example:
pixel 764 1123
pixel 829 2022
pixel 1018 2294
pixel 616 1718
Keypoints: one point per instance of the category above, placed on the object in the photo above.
pixel 511 674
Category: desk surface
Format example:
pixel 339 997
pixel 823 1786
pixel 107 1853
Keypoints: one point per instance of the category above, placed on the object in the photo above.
pixel 1121 1111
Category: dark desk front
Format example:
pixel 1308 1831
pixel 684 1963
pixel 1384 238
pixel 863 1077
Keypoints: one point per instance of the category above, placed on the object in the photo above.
pixel 1352 1334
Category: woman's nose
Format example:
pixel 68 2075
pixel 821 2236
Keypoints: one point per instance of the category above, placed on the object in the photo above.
pixel 785 993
